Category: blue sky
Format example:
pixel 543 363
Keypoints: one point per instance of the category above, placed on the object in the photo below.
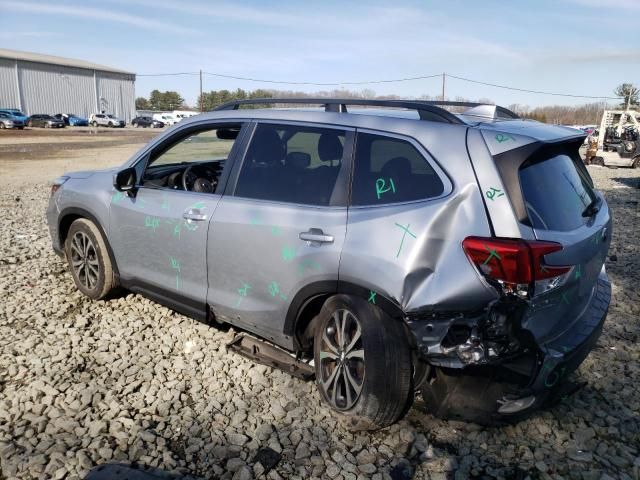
pixel 583 47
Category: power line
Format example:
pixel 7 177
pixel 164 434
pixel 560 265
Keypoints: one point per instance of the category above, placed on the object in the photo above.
pixel 331 84
pixel 530 91
pixel 373 82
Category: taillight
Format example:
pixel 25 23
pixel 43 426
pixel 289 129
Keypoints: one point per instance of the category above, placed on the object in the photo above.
pixel 57 183
pixel 518 265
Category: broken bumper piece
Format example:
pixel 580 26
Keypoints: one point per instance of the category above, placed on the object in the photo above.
pixel 523 375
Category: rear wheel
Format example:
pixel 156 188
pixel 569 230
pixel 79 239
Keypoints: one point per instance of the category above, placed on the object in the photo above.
pixel 2 127
pixel 94 124
pixel 89 260
pixel 636 162
pixel 363 363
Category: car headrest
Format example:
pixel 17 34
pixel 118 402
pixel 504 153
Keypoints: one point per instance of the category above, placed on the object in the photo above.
pixel 329 147
pixel 267 148
pixel 298 160
pixel 398 167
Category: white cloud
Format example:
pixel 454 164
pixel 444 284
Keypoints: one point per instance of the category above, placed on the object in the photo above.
pixel 97 14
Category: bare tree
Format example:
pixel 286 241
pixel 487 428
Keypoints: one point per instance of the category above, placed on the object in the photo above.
pixel 629 92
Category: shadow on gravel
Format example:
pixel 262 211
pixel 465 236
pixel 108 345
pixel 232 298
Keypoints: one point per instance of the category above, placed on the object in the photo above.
pixel 119 471
pixel 628 181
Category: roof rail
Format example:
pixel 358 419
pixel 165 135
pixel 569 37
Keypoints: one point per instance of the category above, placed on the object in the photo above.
pixel 427 109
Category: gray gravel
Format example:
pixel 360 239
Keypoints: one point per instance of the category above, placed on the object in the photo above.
pixel 127 381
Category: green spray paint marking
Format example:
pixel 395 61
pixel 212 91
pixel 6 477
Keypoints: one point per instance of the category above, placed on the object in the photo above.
pixel 165 202
pixel 372 297
pixel 275 231
pixel 308 265
pixel 242 291
pixel 140 202
pixel 151 222
pixel 543 269
pixel 381 186
pixel 175 264
pixel 404 234
pixel 492 253
pixel 288 253
pixel 198 206
pixel 504 137
pixel 578 272
pixel 255 220
pixel 117 196
pixel 190 226
pixel 491 194
pixel 274 290
pixel 564 298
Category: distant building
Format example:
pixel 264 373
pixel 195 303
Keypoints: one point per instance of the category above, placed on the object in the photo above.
pixel 36 83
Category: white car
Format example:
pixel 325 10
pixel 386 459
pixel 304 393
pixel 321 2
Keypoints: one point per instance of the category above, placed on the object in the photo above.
pixel 105 120
pixel 167 118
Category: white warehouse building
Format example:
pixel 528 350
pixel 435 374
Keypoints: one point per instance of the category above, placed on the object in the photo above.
pixel 36 83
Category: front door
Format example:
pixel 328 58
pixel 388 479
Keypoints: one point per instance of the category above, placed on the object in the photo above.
pixel 159 235
pixel 282 229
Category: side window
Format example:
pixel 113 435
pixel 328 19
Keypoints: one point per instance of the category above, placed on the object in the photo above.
pixel 390 170
pixel 295 164
pixel 193 162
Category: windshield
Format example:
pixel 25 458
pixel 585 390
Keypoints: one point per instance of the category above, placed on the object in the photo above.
pixel 15 112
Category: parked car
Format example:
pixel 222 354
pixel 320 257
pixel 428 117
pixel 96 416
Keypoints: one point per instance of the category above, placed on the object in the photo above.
pixel 166 118
pixel 46 121
pixel 8 121
pixel 72 120
pixel 146 122
pixel 461 255
pixel 15 114
pixel 105 120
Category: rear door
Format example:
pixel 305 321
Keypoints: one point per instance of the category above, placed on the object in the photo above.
pixel 283 226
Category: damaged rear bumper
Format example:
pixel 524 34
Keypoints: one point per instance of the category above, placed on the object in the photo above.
pixel 531 374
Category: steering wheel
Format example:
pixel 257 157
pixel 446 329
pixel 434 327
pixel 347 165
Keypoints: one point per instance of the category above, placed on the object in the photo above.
pixel 192 182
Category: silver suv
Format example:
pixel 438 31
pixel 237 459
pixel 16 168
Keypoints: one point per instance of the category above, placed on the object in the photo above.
pixel 105 120
pixel 383 251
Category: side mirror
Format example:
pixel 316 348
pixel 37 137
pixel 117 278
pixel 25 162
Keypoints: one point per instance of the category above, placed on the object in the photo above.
pixel 125 180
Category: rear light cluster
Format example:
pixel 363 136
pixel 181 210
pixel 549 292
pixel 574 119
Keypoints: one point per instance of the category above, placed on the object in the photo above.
pixel 517 265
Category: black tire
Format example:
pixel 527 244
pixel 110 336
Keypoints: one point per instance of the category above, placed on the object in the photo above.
pixel 597 161
pixel 368 393
pixel 2 126
pixel 110 125
pixel 89 260
pixel 636 163
pixel 94 124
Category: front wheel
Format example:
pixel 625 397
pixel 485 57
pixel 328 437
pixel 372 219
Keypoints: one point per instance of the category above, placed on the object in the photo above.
pixel 2 127
pixel 89 260
pixel 363 363
pixel 636 162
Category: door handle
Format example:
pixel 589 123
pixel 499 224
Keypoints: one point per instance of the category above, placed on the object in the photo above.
pixel 194 214
pixel 316 235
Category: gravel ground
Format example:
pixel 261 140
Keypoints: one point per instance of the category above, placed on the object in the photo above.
pixel 129 382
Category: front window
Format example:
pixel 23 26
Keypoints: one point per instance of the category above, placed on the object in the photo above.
pixel 193 162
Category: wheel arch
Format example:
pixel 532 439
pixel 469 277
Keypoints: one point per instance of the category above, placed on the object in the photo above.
pixel 70 215
pixel 308 302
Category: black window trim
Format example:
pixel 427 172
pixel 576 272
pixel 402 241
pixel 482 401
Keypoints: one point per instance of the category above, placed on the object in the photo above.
pixel 422 150
pixel 344 176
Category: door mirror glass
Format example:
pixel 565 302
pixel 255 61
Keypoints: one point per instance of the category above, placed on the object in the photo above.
pixel 125 180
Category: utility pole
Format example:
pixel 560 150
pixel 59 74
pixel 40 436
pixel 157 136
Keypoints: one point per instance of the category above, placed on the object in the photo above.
pixel 201 92
pixel 443 75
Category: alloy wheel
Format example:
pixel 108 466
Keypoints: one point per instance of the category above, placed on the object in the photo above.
pixel 342 366
pixel 84 260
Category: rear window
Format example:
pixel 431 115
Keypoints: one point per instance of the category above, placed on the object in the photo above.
pixel 391 170
pixel 556 193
